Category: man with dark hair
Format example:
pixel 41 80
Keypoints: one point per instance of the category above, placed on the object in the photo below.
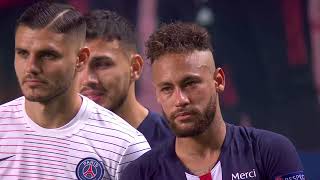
pixel 188 85
pixel 52 132
pixel 114 66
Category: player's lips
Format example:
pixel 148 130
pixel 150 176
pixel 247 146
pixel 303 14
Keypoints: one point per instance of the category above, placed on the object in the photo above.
pixel 182 116
pixel 33 82
pixel 94 95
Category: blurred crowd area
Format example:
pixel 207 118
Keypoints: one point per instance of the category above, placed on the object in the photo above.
pixel 269 49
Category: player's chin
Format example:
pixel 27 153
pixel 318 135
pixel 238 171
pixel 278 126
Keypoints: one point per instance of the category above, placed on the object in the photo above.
pixel 185 134
pixel 36 96
pixel 185 130
pixel 104 102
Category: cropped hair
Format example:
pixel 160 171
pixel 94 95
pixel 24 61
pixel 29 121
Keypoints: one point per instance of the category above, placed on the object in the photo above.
pixel 109 26
pixel 177 37
pixel 58 18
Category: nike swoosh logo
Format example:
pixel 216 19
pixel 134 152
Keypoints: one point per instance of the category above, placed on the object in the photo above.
pixel 3 159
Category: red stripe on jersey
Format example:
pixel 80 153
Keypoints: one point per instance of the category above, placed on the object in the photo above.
pixel 206 176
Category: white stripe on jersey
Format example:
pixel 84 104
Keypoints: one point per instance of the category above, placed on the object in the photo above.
pixel 28 151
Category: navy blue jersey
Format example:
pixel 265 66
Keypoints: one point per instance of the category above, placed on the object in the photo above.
pixel 155 129
pixel 246 153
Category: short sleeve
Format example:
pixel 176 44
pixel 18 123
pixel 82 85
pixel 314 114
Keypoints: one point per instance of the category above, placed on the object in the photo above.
pixel 133 151
pixel 279 156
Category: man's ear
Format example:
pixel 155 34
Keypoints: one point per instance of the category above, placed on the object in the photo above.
pixel 219 80
pixel 83 57
pixel 136 66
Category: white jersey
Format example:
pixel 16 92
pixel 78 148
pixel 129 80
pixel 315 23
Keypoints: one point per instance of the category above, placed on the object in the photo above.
pixel 96 144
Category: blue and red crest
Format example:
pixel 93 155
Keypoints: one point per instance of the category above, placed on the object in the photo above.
pixel 89 169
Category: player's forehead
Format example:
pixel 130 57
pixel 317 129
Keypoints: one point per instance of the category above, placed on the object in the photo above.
pixel 178 67
pixel 111 49
pixel 102 43
pixel 178 61
pixel 27 36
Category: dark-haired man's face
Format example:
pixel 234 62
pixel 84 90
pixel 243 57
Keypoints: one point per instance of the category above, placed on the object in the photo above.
pixel 186 88
pixel 45 63
pixel 106 79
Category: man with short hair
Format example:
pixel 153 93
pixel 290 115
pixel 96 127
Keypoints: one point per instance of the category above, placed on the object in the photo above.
pixel 113 68
pixel 52 132
pixel 188 85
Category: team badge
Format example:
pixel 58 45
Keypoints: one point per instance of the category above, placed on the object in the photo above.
pixel 89 169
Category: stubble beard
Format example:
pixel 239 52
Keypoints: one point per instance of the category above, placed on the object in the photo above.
pixel 202 121
pixel 54 93
pixel 116 105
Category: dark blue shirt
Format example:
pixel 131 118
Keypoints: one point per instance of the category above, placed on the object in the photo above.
pixel 155 129
pixel 247 153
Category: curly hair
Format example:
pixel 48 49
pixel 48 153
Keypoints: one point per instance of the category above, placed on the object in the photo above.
pixel 177 37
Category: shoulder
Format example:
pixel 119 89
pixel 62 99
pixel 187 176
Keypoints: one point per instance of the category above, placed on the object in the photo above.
pixel 268 144
pixel 16 102
pixel 155 120
pixel 106 122
pixel 13 106
pixel 155 155
pixel 275 151
pixel 148 164
pixel 155 117
pixel 98 115
pixel 155 128
pixel 118 135
pixel 260 137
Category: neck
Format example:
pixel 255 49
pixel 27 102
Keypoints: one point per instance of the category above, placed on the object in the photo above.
pixel 202 151
pixel 132 111
pixel 56 113
pixel 210 140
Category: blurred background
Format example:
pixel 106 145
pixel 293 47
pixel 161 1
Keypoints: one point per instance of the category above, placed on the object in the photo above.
pixel 269 49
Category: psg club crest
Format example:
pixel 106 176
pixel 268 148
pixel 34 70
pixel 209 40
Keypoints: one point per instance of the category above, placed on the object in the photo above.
pixel 90 169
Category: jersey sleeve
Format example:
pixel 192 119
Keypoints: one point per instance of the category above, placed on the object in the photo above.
pixel 140 169
pixel 280 157
pixel 133 151
pixel 132 172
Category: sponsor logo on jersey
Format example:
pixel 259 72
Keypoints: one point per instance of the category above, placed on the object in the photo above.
pixel 299 175
pixel 89 169
pixel 244 175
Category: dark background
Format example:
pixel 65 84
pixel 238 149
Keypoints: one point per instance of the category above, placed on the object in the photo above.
pixel 263 45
